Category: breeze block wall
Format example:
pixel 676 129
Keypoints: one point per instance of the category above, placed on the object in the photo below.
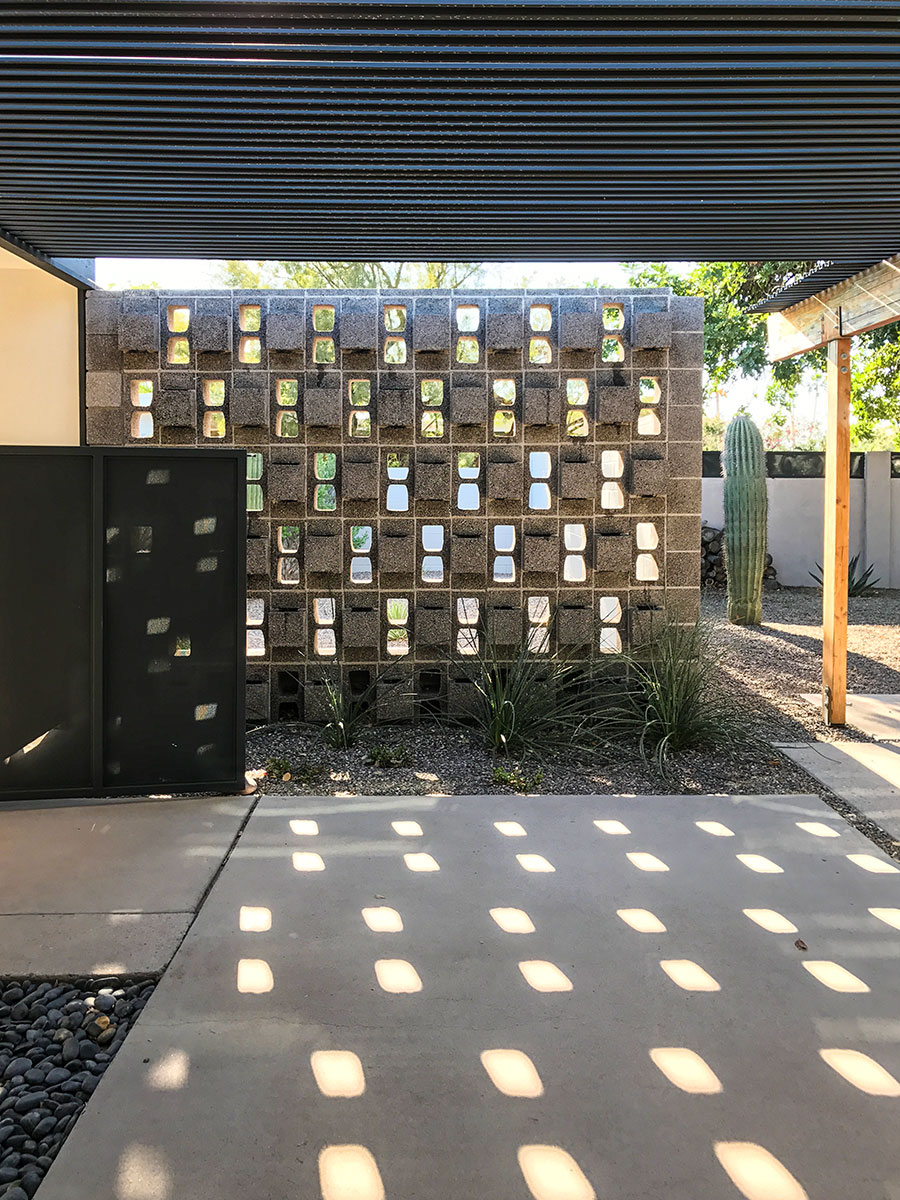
pixel 426 468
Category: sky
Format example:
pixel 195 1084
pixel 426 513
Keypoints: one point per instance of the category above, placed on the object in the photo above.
pixel 203 273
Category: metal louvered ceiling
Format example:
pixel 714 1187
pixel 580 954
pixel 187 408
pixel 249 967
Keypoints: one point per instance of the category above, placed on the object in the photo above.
pixel 493 131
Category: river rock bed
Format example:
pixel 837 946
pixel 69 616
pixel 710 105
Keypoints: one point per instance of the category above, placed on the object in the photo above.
pixel 57 1037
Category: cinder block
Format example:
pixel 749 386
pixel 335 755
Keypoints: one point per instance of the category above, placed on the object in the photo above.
pixel 683 533
pixel 177 407
pixel 504 479
pixel 542 406
pixel 578 479
pixel 101 313
pixel 461 696
pixel 104 389
pixel 322 552
pixel 432 625
pixel 644 623
pixel 396 553
pixel 687 313
pixel 468 405
pixel 105 427
pixel 359 479
pixel 284 330
pixel 257 701
pixel 359 627
pixel 431 332
pixel 139 331
pixel 249 404
pixel 504 331
pixel 541 552
pixel 686 350
pixel 505 625
pixel 468 553
pixel 574 625
pixel 432 479
pixel 395 406
pixel 685 387
pixel 617 405
pixel 286 628
pixel 395 697
pixel 257 556
pixel 359 325
pixel 648 476
pixel 579 331
pixel 211 328
pixel 681 570
pixel 322 406
pixel 612 552
pixel 652 330
pixel 286 482
pixel 102 352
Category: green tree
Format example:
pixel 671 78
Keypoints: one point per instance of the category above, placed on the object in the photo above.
pixel 736 341
pixel 279 274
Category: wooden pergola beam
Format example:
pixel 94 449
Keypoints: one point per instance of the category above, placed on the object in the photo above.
pixel 866 301
pixel 837 535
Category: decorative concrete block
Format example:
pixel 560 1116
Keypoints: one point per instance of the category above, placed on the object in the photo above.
pixel 257 556
pixel 211 329
pixel 431 332
pixel 579 331
pixel 686 349
pixel 249 404
pixel 612 552
pixel 284 330
pixel 541 552
pixel 687 313
pixel 257 701
pixel 578 479
pixel 359 627
pixel 652 330
pixel 504 331
pixel 395 696
pixel 286 628
pixel 432 624
pixel 644 623
pixel 322 406
pixel 102 352
pixel 139 331
pixel 105 427
pixel 468 405
pixel 681 569
pixel 101 313
pixel 359 478
pixel 505 625
pixel 468 553
pixel 286 482
pixel 104 389
pixel 395 406
pixel 617 405
pixel 685 386
pixel 648 476
pixel 432 479
pixel 461 696
pixel 396 553
pixel 322 552
pixel 176 407
pixel 574 625
pixel 542 406
pixel 504 479
pixel 359 325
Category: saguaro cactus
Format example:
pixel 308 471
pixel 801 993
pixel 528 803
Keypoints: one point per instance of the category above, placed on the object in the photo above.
pixel 746 506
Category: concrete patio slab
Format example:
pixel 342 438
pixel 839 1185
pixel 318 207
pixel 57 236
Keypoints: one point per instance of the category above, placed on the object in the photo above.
pixel 878 716
pixel 113 883
pixel 863 773
pixel 299 1046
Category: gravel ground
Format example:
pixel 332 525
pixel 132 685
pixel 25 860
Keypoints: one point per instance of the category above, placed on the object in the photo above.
pixel 57 1037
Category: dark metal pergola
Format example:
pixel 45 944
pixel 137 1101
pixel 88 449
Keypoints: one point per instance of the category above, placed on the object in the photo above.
pixel 493 131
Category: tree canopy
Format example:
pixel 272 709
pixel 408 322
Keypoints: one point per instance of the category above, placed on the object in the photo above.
pixel 248 274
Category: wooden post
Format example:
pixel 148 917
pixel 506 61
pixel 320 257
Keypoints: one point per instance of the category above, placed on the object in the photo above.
pixel 837 535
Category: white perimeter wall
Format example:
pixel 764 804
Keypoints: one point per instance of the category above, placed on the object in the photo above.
pixel 796 521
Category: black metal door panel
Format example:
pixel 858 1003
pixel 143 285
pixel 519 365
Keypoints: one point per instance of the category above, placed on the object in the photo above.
pixel 169 620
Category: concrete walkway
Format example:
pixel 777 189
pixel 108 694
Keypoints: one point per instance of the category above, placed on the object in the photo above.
pixel 486 998
pixel 108 887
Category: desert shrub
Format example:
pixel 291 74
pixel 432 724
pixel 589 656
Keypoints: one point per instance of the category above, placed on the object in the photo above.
pixel 389 756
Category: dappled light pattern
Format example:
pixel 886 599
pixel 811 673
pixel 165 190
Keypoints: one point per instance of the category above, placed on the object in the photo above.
pixel 551 1173
pixel 818 829
pixel 305 828
pixel 421 862
pixel 349 1173
pixel 509 828
pixel 689 975
pixel 770 920
pixel 513 920
pixel 760 864
pixel 170 1073
pixel 545 976
pixel 834 976
pixel 407 828
pixel 642 920
pixel 876 866
pixel 716 828
pixel 255 920
pixel 863 1072
pixel 338 1073
pixel 254 976
pixel 535 863
pixel 143 1174
pixel 890 916
pixel 612 827
pixel 513 1073
pixel 307 860
pixel 383 920
pixel 757 1174
pixel 686 1070
pixel 398 976
pixel 645 862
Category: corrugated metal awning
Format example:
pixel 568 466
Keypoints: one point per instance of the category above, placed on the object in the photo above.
pixel 827 276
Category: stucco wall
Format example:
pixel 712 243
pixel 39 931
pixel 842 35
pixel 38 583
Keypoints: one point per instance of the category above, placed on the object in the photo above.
pixel 39 379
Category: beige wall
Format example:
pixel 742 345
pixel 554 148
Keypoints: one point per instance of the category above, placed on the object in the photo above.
pixel 39 376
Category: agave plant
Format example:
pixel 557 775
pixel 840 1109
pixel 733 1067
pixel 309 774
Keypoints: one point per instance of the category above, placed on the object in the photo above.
pixel 859 583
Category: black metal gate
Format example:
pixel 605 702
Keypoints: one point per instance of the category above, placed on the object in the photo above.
pixel 122 621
